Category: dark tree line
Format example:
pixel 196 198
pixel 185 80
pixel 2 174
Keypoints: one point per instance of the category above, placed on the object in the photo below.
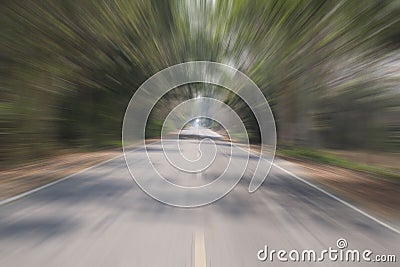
pixel 330 69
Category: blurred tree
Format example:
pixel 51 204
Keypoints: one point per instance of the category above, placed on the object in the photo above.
pixel 330 69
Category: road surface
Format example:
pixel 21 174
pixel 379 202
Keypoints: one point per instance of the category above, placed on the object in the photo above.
pixel 100 217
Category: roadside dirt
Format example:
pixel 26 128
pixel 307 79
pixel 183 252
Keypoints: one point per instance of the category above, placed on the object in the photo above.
pixel 385 160
pixel 29 176
pixel 373 194
pixel 378 196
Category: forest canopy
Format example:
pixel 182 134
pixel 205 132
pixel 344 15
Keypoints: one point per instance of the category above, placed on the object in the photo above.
pixel 329 69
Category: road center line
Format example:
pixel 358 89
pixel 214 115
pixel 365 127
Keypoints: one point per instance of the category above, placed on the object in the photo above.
pixel 200 259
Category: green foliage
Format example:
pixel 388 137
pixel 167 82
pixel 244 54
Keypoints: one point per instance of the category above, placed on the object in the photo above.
pixel 69 68
pixel 327 158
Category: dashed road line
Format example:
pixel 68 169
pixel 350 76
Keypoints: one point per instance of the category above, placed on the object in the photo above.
pixel 200 259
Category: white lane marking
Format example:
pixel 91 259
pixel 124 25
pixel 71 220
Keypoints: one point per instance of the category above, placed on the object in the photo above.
pixel 11 199
pixel 14 198
pixel 330 195
pixel 339 200
pixel 200 259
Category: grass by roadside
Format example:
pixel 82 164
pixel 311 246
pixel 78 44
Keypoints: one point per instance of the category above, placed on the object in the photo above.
pixel 325 157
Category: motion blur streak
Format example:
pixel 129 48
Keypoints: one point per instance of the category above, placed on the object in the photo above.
pixel 329 68
pixel 330 71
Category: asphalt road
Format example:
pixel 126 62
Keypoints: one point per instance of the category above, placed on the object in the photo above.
pixel 100 217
